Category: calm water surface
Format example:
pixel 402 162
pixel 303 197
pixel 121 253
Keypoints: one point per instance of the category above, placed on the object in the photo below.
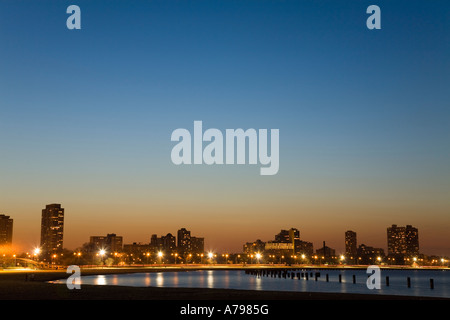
pixel 238 279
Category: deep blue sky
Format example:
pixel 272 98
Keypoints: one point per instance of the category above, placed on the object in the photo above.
pixel 364 115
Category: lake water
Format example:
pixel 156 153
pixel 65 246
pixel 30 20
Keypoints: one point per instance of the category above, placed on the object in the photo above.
pixel 238 279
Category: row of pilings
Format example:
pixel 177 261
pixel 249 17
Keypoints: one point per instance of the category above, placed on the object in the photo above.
pixel 308 274
pixel 285 273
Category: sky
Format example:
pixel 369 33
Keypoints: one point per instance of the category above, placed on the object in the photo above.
pixel 86 118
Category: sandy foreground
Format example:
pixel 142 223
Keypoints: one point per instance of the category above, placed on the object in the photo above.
pixel 33 285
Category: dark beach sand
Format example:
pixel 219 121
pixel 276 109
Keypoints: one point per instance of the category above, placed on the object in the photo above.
pixel 18 286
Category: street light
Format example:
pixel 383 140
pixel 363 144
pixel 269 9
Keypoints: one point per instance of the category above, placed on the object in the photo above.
pixel 210 256
pixel 37 251
pixel 102 252
pixel 160 254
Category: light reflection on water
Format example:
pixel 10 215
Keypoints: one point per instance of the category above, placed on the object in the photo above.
pixel 210 279
pixel 147 280
pixel 237 279
pixel 160 279
pixel 100 280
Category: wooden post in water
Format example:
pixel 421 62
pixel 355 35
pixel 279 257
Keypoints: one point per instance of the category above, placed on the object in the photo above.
pixel 408 281
pixel 431 284
pixel 327 277
pixel 354 279
pixel 340 278
pixel 387 281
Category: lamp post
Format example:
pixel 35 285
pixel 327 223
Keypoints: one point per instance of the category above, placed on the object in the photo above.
pixel 102 253
pixel 210 256
pixel 160 254
pixel 37 251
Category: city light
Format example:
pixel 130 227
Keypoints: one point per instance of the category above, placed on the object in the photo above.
pixel 160 254
pixel 102 252
pixel 37 251
pixel 210 255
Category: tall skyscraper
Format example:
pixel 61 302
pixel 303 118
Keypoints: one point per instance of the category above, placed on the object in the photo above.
pixel 350 244
pixel 6 230
pixel 412 240
pixel 52 229
pixel 184 241
pixel 403 240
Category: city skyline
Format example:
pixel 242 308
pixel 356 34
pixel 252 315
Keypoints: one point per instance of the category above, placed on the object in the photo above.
pixel 54 212
pixel 86 119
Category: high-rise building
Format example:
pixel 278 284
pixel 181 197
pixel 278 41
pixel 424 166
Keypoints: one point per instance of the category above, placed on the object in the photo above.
pixel 6 230
pixel 197 245
pixel 350 244
pixel 412 240
pixel 184 241
pixel 169 243
pixel 52 229
pixel 111 242
pixel 396 240
pixel 156 242
pixel 403 240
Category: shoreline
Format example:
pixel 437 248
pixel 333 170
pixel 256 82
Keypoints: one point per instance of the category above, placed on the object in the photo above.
pixel 19 285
